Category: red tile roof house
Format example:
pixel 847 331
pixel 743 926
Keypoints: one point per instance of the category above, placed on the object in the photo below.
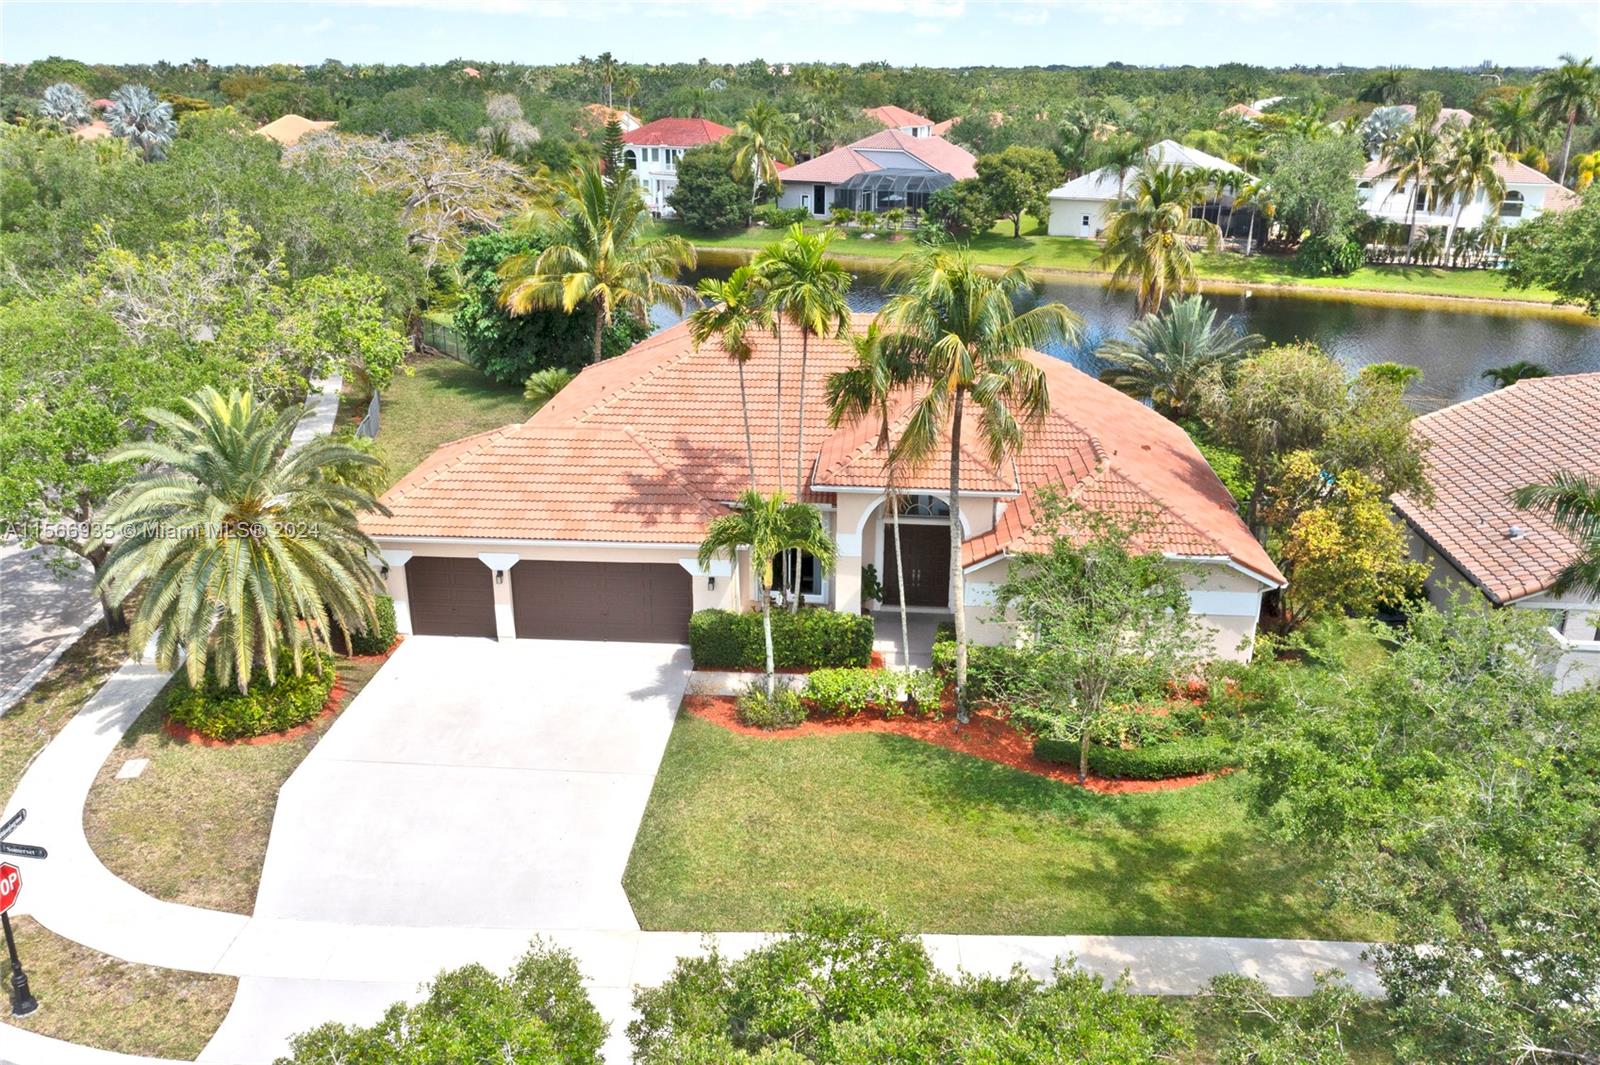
pixel 584 521
pixel 652 152
pixel 1473 538
pixel 886 170
pixel 907 122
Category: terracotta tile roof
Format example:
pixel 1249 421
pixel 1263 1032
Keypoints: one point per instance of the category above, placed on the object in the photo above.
pixel 600 114
pixel 892 116
pixel 843 163
pixel 1560 198
pixel 941 128
pixel 1516 172
pixel 288 129
pixel 1479 452
pixel 677 132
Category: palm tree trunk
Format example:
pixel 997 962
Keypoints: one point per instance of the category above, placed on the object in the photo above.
pixel 1250 238
pixel 602 318
pixel 799 458
pixel 749 446
pixel 1455 224
pixel 766 630
pixel 958 591
pixel 900 574
pixel 1566 145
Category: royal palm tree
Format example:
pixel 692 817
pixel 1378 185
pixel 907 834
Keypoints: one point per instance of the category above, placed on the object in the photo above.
pixel 1258 195
pixel 1516 119
pixel 606 66
pixel 1509 374
pixel 1147 238
pixel 762 139
pixel 1168 355
pixel 731 311
pixel 1572 502
pixel 239 544
pixel 767 526
pixel 144 121
pixel 961 329
pixel 600 257
pixel 1413 157
pixel 1469 168
pixel 1569 94
pixel 1122 154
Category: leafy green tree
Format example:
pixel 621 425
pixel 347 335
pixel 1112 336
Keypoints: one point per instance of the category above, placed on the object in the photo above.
pixel 1146 238
pixel 227 514
pixel 1561 251
pixel 539 1014
pixel 1018 180
pixel 1569 94
pixel 963 209
pixel 290 98
pixel 1104 624
pixel 414 111
pixel 707 198
pixel 599 256
pixel 1572 502
pixel 1260 1028
pixel 1169 355
pixel 1314 185
pixel 144 121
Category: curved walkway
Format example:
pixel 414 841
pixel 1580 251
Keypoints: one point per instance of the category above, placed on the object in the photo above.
pixel 296 973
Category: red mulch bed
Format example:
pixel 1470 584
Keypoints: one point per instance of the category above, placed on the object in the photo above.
pixel 334 703
pixel 986 736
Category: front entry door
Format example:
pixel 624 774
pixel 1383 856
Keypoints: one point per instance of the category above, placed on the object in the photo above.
pixel 819 199
pixel 927 551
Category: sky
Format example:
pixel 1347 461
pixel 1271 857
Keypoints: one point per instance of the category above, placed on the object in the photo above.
pixel 1417 33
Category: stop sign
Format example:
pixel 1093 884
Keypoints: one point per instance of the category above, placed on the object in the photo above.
pixel 10 885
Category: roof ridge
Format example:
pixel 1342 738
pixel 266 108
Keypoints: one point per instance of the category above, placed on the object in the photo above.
pixel 655 370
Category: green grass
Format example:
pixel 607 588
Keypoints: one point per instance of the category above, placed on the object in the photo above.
pixel 442 400
pixel 100 1001
pixel 60 693
pixel 740 831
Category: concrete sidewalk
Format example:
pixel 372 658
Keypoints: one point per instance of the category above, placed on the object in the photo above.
pixel 41 615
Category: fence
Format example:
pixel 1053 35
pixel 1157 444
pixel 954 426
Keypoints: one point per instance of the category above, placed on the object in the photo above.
pixel 443 339
pixel 374 420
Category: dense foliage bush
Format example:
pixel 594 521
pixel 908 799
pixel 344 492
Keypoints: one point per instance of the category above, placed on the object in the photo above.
pixel 379 638
pixel 707 199
pixel 963 209
pixel 782 710
pixel 992 672
pixel 809 639
pixel 848 692
pixel 226 714
pixel 1156 761
pixel 774 217
pixel 1324 257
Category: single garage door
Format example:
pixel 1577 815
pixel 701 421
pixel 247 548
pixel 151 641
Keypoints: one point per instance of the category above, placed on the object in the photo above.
pixel 450 597
pixel 643 602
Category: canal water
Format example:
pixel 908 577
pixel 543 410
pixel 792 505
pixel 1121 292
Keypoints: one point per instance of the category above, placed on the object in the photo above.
pixel 1451 346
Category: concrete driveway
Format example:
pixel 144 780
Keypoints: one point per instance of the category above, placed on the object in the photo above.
pixel 479 784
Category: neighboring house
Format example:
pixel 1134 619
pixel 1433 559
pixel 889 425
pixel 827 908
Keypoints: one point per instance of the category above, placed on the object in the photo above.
pixel 1528 194
pixel 1244 112
pixel 1472 537
pixel 652 152
pixel 289 129
pixel 898 118
pixel 597 116
pixel 886 170
pixel 584 521
pixel 1082 206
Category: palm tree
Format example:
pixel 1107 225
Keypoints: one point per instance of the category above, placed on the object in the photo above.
pixel 1146 239
pixel 1509 374
pixel 1569 94
pixel 1257 194
pixel 1413 157
pixel 1572 502
pixel 1386 87
pixel 543 385
pixel 762 139
pixel 1516 119
pixel 1469 168
pixel 1121 153
pixel 1170 353
pixel 767 526
pixel 731 310
pixel 600 256
pixel 864 389
pixel 65 103
pixel 962 330
pixel 606 64
pixel 144 121
pixel 808 288
pixel 240 544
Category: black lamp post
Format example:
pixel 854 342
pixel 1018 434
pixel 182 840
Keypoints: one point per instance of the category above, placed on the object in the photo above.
pixel 22 1002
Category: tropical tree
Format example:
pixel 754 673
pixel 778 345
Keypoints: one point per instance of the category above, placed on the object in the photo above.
pixel 1516 119
pixel 963 332
pixel 239 543
pixel 599 255
pixel 1386 87
pixel 544 385
pixel 1120 154
pixel 762 139
pixel 1469 169
pixel 144 121
pixel 1169 355
pixel 1572 502
pixel 1147 237
pixel 731 311
pixel 65 103
pixel 1509 374
pixel 1569 94
pixel 767 526
pixel 1412 159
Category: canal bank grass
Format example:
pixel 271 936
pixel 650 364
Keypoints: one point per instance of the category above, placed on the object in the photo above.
pixel 96 1000
pixel 1223 271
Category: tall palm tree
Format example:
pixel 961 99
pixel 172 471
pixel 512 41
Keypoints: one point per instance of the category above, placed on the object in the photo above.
pixel 762 139
pixel 1258 195
pixel 767 526
pixel 144 121
pixel 1509 374
pixel 1569 94
pixel 1469 168
pixel 240 544
pixel 600 257
pixel 1169 355
pixel 1516 119
pixel 606 65
pixel 731 311
pixel 1572 502
pixel 1412 158
pixel 1122 154
pixel 864 389
pixel 1147 238
pixel 1386 87
pixel 808 288
pixel 962 330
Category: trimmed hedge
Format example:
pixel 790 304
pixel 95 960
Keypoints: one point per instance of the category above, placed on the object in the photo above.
pixel 783 710
pixel 380 638
pixel 991 671
pixel 811 639
pixel 1158 761
pixel 848 692
pixel 226 714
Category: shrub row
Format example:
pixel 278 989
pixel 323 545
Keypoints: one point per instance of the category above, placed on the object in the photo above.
pixel 774 217
pixel 848 692
pixel 783 710
pixel 991 671
pixel 1158 761
pixel 810 639
pixel 375 640
pixel 226 714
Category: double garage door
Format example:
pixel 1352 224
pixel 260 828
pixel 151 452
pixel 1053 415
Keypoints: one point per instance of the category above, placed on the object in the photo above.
pixel 634 601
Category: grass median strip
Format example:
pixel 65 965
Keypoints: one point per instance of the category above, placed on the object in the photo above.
pixel 29 726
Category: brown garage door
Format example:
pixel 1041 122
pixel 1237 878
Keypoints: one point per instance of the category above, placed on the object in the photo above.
pixel 645 602
pixel 450 597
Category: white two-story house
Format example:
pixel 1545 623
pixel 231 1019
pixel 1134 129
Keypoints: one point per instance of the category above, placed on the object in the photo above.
pixel 1528 194
pixel 652 152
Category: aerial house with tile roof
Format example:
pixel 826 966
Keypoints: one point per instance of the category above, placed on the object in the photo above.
pixel 877 173
pixel 1474 539
pixel 652 152
pixel 584 521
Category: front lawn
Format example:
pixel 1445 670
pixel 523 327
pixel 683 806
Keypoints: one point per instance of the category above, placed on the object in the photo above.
pixel 51 703
pixel 740 831
pixel 193 827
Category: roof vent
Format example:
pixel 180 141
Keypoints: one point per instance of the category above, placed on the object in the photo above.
pixel 1516 532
